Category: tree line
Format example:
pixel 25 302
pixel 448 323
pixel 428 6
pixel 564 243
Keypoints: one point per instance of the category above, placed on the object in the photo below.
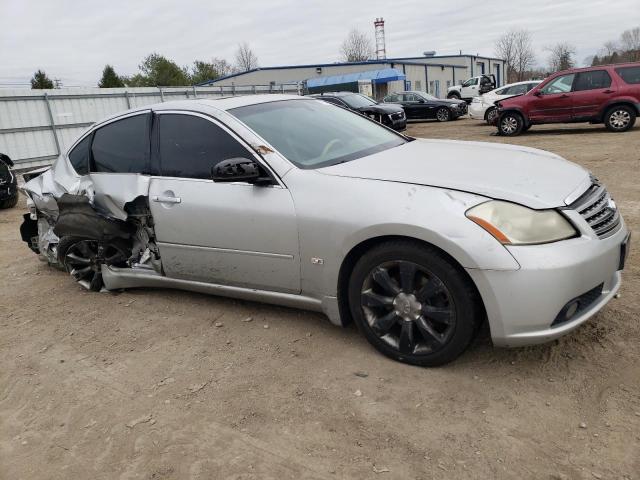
pixel 159 71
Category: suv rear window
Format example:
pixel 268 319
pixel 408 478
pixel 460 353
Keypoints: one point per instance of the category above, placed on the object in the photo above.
pixel 629 74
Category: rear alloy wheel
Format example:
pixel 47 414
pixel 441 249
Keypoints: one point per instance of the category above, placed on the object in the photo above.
pixel 83 258
pixel 9 202
pixel 413 304
pixel 510 124
pixel 491 116
pixel 620 118
pixel 443 114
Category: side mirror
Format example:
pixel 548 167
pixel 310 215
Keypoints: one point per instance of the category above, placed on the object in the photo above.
pixel 236 170
pixel 538 93
pixel 421 100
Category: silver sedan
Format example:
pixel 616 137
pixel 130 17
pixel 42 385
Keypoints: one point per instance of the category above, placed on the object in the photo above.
pixel 293 201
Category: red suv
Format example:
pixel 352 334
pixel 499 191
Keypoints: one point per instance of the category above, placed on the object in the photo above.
pixel 608 94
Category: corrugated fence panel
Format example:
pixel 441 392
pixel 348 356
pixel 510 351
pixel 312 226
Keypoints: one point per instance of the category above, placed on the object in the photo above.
pixel 28 117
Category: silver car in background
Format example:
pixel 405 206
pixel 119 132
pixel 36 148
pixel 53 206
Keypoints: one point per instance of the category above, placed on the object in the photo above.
pixel 293 201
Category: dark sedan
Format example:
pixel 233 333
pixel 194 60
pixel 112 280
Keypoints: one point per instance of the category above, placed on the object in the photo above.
pixel 8 183
pixel 392 116
pixel 421 106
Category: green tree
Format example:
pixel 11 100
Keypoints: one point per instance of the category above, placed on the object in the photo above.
pixel 204 71
pixel 595 61
pixel 110 79
pixel 158 71
pixel 40 81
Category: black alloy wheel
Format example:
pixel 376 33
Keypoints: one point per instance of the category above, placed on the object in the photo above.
pixel 443 114
pixel 413 304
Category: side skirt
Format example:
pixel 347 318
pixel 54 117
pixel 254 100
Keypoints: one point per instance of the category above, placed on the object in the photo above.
pixel 117 278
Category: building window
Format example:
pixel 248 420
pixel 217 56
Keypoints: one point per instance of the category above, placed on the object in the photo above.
pixel 418 85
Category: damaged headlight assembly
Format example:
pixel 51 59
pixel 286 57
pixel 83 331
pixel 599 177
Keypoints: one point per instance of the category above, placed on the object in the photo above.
pixel 513 224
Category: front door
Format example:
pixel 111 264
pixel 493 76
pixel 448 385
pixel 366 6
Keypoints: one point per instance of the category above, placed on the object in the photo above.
pixel 226 233
pixel 553 102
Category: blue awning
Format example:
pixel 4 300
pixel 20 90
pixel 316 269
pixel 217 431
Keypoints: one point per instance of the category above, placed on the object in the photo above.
pixel 376 76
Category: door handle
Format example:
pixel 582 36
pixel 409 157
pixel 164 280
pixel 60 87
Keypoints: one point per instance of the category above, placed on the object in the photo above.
pixel 165 199
pixel 608 91
pixel 564 96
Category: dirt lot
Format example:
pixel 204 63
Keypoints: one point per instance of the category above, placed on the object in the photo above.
pixel 143 384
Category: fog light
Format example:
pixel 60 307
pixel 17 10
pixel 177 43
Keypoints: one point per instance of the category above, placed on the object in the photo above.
pixel 571 309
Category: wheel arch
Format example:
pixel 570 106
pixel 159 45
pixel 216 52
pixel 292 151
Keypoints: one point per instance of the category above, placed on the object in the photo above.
pixel 618 102
pixel 350 259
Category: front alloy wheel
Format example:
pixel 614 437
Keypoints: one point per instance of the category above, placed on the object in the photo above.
pixel 443 115
pixel 413 303
pixel 408 307
pixel 510 124
pixel 492 115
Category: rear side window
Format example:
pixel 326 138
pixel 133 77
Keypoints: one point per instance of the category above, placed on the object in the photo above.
pixel 593 80
pixel 392 98
pixel 122 146
pixel 79 156
pixel 190 146
pixel 629 74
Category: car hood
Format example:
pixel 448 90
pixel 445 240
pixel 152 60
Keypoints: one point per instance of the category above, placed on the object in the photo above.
pixel 450 101
pixel 527 176
pixel 382 108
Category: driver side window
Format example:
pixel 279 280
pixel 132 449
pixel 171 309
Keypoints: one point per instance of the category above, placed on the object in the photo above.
pixel 470 82
pixel 190 146
pixel 560 84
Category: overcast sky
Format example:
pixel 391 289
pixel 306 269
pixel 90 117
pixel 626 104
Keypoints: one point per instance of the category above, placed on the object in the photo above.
pixel 73 39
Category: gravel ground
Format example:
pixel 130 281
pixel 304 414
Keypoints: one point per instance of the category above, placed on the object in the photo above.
pixel 162 384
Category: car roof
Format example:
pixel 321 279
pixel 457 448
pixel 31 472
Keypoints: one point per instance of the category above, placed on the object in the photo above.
pixel 204 105
pixel 334 94
pixel 600 67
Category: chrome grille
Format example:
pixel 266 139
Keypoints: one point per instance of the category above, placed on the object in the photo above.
pixel 599 210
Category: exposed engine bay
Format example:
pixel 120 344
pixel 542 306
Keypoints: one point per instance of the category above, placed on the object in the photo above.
pixel 74 225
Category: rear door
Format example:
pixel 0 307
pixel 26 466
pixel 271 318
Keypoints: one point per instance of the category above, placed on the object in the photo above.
pixel 591 90
pixel 554 102
pixel 225 233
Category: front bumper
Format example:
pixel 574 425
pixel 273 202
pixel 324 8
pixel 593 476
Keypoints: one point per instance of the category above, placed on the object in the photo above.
pixel 523 304
pixel 477 111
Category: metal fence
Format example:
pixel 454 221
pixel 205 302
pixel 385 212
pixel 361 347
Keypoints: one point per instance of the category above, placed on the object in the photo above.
pixel 36 127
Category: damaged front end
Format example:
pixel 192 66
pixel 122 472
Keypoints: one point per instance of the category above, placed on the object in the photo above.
pixel 80 225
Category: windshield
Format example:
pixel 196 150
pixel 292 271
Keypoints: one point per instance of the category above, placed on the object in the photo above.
pixel 314 134
pixel 358 101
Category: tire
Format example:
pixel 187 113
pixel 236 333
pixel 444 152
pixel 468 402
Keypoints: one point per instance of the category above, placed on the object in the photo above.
pixel 620 118
pixel 443 114
pixel 491 115
pixel 438 318
pixel 9 202
pixel 510 124
pixel 83 258
pixel 454 95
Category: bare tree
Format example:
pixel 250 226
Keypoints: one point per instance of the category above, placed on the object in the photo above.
pixel 515 47
pixel 608 49
pixel 630 42
pixel 357 47
pixel 245 58
pixel 561 56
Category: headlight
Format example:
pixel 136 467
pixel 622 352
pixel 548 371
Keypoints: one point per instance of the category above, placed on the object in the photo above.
pixel 513 224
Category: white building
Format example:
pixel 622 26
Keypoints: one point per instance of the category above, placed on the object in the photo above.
pixel 432 74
